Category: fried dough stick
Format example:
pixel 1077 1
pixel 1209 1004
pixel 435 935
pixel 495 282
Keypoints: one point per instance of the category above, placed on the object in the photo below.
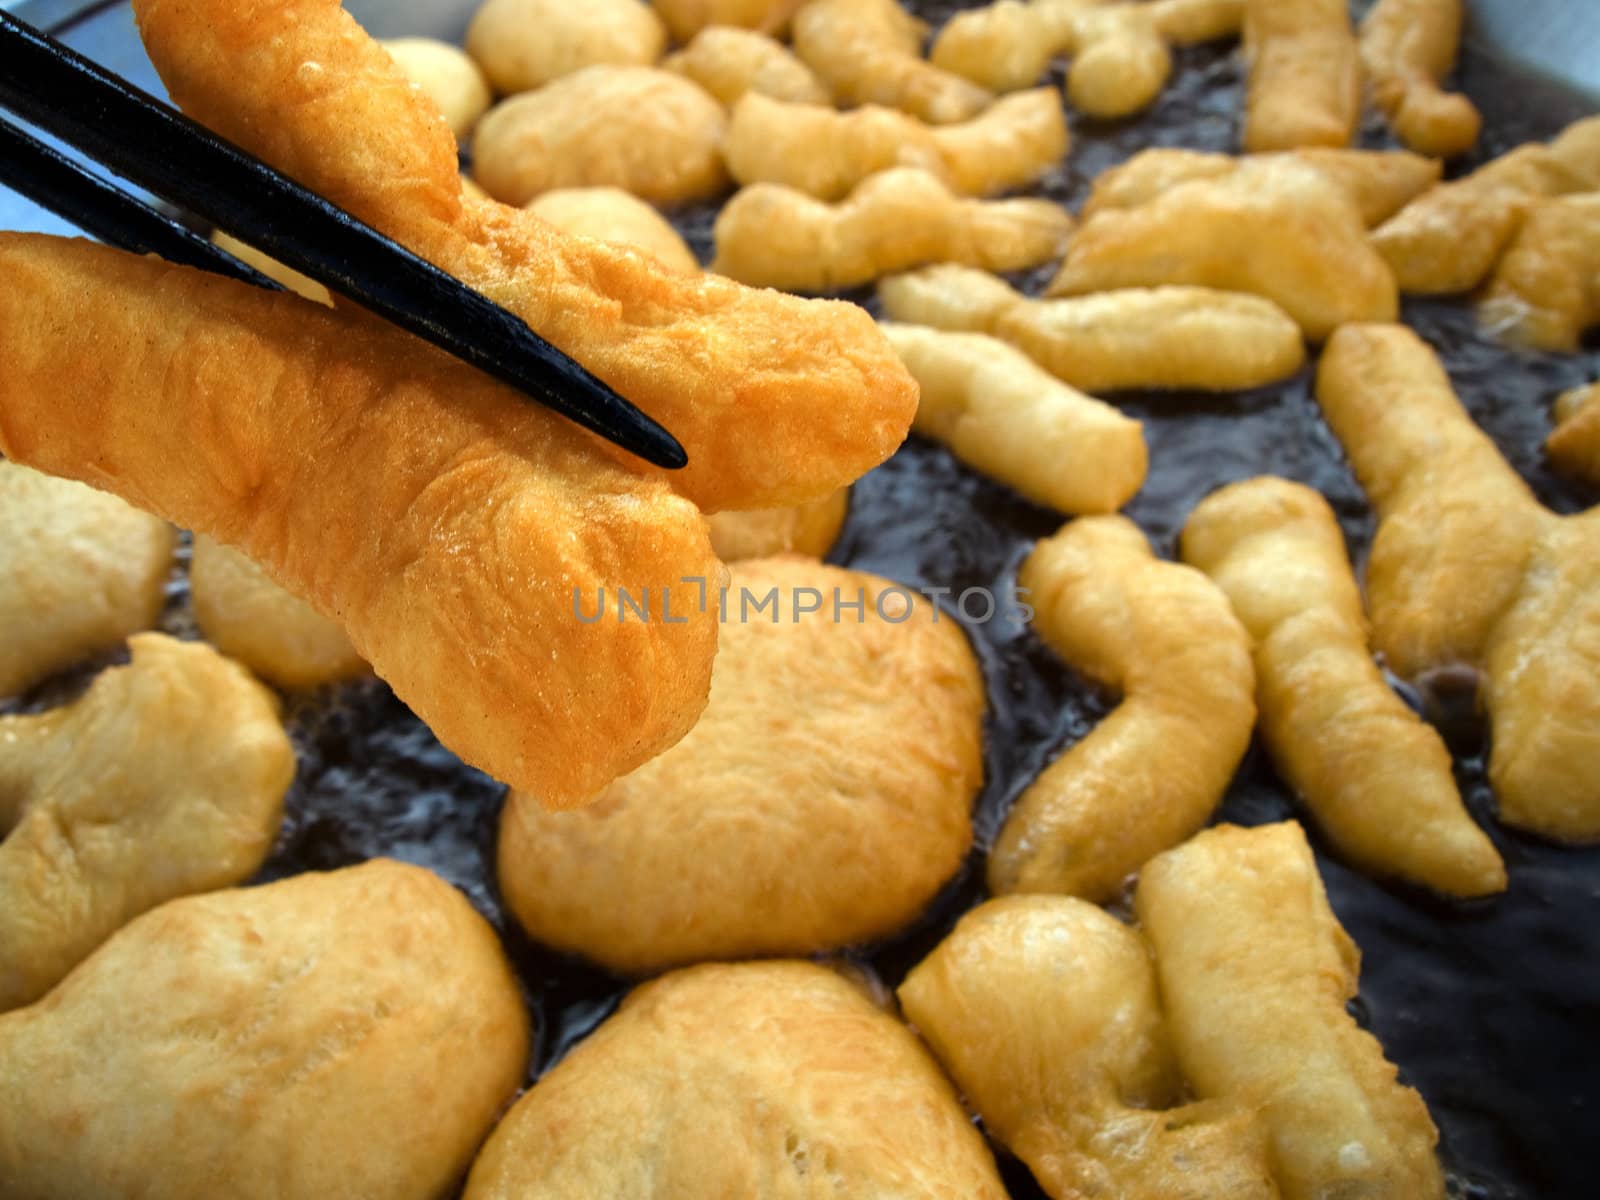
pixel 1148 338
pixel 1407 48
pixel 1278 230
pixel 777 400
pixel 870 52
pixel 1374 775
pixel 1574 444
pixel 441 519
pixel 1044 1010
pixel 1255 971
pixel 1305 74
pixel 1379 182
pixel 826 153
pixel 1546 291
pixel 1150 774
pixel 731 63
pixel 1449 238
pixel 994 408
pixel 1468 567
pixel 773 236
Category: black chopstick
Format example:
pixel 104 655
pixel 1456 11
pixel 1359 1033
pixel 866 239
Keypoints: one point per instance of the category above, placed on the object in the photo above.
pixel 154 146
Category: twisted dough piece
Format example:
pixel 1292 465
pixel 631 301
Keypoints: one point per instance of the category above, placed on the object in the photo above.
pixel 438 516
pixel 1149 338
pixel 1305 74
pixel 1277 230
pixel 994 408
pixel 870 52
pixel 1044 1011
pixel 731 63
pixel 777 400
pixel 1574 444
pixel 773 236
pixel 1379 182
pixel 1255 971
pixel 1150 774
pixel 1407 48
pixel 167 777
pixel 1373 774
pixel 826 153
pixel 1546 290
pixel 1449 238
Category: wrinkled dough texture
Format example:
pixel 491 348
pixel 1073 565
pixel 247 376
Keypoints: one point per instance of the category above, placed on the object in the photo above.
pixel 1255 972
pixel 348 1035
pixel 448 77
pixel 1545 294
pixel 730 62
pixel 778 1080
pixel 612 215
pixel 166 778
pixel 1151 773
pixel 1305 74
pixel 822 799
pixel 808 529
pixel 1407 48
pixel 525 44
pixel 79 571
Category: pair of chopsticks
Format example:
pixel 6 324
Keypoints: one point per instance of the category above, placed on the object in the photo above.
pixel 144 141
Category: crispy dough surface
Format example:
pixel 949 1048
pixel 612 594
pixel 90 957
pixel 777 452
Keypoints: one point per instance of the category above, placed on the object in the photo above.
pixel 449 78
pixel 613 215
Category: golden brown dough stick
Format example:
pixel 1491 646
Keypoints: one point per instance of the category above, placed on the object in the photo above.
pixel 826 153
pixel 1255 972
pixel 340 1035
pixel 613 215
pixel 870 52
pixel 1148 338
pixel 1449 238
pixel 1407 48
pixel 1009 418
pixel 650 132
pixel 1150 774
pixel 1574 444
pixel 777 400
pixel 1044 1010
pixel 1376 778
pixel 809 529
pixel 166 778
pixel 436 515
pixel 775 1079
pixel 524 44
pixel 1277 231
pixel 772 236
pixel 685 18
pixel 79 571
pixel 1305 74
pixel 1379 182
pixel 450 79
pixel 1546 291
pixel 730 62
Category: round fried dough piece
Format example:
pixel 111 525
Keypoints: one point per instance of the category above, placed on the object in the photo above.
pixel 650 132
pixel 79 571
pixel 822 799
pixel 447 76
pixel 809 529
pixel 524 44
pixel 779 1080
pixel 345 1036
pixel 612 215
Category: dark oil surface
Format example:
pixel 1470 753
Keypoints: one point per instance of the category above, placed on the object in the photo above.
pixel 1491 1009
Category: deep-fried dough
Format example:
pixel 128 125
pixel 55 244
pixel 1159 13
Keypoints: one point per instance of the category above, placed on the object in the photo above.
pixel 1149 338
pixel 1407 48
pixel 247 616
pixel 524 44
pixel 1375 777
pixel 1305 74
pixel 345 1036
pixel 297 283
pixel 654 133
pixel 1574 444
pixel 166 778
pixel 808 529
pixel 435 514
pixel 1449 238
pixel 821 801
pixel 613 215
pixel 1044 1011
pixel 451 80
pixel 826 153
pixel 773 236
pixel 1150 773
pixel 997 410
pixel 870 52
pixel 1379 182
pixel 777 400
pixel 686 18
pixel 1255 972
pixel 761 1079
pixel 1546 290
pixel 730 62
pixel 79 571
pixel 1277 231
